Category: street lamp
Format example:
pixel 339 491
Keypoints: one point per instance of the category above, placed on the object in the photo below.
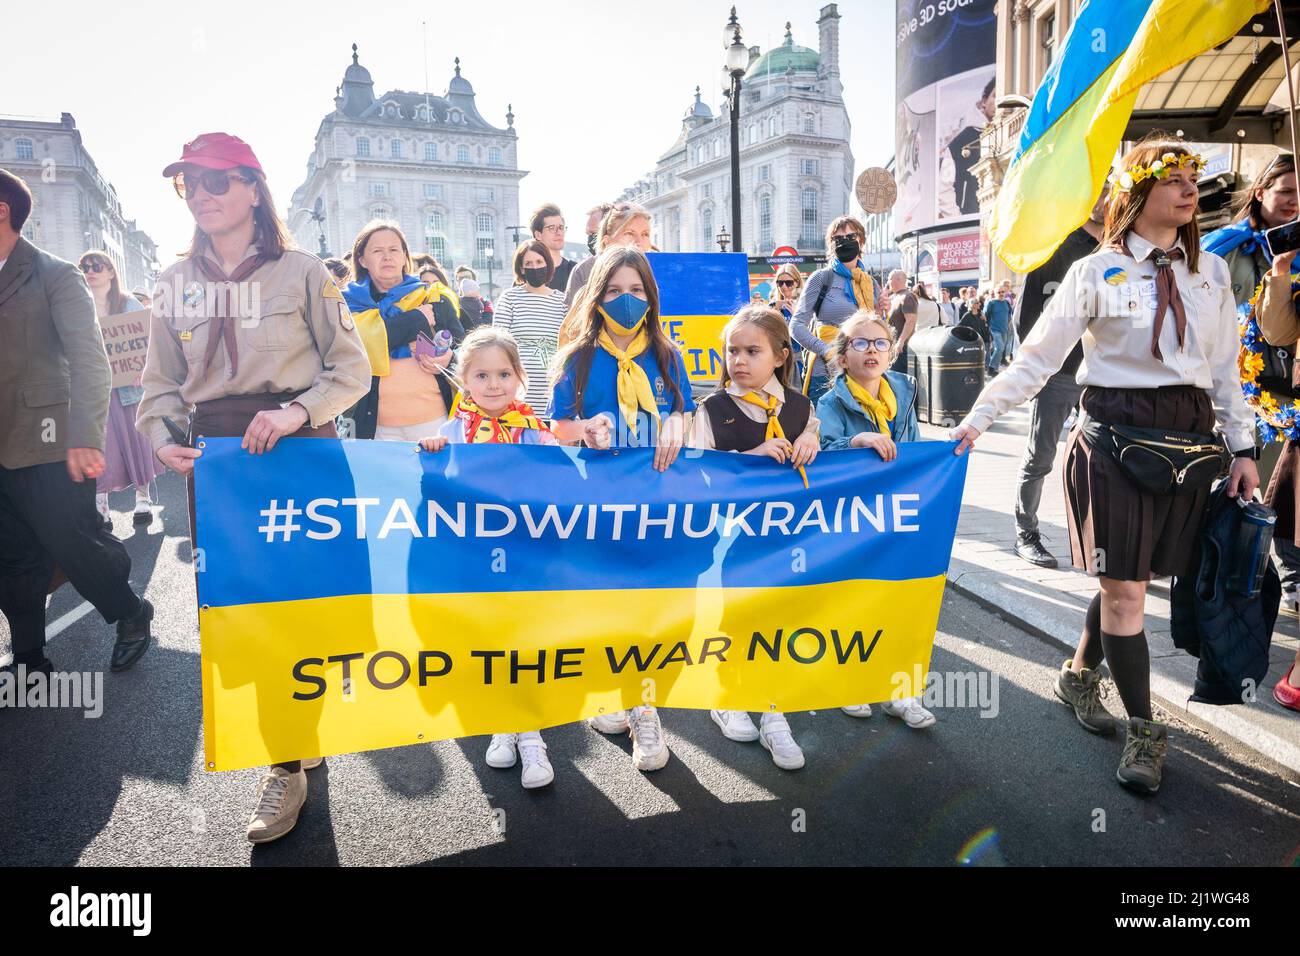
pixel 723 238
pixel 318 217
pixel 737 62
pixel 490 253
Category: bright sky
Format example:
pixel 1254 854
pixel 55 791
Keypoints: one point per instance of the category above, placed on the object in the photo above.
pixel 598 88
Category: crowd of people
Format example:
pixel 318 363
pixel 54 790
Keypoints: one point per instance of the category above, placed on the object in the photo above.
pixel 394 347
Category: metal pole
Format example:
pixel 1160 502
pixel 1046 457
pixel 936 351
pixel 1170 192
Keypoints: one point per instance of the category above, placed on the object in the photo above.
pixel 1286 62
pixel 735 162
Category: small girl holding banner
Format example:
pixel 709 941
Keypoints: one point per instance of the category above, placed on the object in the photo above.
pixel 759 410
pixel 489 412
pixel 869 406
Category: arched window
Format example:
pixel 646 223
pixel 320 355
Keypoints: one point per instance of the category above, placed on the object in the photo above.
pixel 706 227
pixel 462 154
pixel 809 234
pixel 764 222
pixel 430 152
pixel 24 149
pixel 363 146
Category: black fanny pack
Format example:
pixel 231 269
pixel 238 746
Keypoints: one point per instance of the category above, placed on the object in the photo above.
pixel 1158 460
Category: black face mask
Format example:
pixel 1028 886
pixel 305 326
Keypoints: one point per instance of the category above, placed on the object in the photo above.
pixel 591 242
pixel 847 248
pixel 535 277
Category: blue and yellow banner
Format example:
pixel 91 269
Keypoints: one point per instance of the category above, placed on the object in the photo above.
pixel 698 293
pixel 359 595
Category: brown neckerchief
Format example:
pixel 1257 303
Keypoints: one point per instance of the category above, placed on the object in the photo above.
pixel 1166 294
pixel 224 328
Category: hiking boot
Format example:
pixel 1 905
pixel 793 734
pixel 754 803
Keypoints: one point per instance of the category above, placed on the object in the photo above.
pixel 1144 755
pixel 132 638
pixel 1083 692
pixel 280 796
pixel 1029 546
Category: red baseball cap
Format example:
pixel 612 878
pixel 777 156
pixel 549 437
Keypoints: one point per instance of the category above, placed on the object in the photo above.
pixel 215 151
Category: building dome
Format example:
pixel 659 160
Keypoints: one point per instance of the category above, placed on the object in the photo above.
pixel 699 109
pixel 356 73
pixel 787 56
pixel 459 84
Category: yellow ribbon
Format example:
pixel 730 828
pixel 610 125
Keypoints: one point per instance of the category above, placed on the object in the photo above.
pixel 633 384
pixel 881 410
pixel 770 404
pixel 827 333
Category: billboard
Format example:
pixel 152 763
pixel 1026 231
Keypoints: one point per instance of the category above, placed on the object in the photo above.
pixel 944 83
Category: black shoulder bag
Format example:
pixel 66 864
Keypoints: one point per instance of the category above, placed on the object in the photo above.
pixel 1159 460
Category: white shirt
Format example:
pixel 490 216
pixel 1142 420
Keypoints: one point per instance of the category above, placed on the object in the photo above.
pixel 927 314
pixel 1108 299
pixel 702 429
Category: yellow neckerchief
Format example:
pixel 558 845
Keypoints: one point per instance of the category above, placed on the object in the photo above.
pixel 828 334
pixel 374 334
pixel 482 428
pixel 772 405
pixel 881 410
pixel 633 386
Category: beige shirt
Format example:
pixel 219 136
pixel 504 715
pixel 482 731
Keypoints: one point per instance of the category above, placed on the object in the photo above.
pixel 1276 311
pixel 1108 300
pixel 702 430
pixel 294 331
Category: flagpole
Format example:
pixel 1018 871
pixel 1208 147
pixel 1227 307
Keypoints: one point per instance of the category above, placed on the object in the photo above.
pixel 1286 62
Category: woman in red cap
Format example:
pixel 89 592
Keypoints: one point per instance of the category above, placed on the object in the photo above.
pixel 250 338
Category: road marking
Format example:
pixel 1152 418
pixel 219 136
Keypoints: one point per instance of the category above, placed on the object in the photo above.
pixel 69 619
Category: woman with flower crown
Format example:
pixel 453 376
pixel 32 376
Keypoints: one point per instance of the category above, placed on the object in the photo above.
pixel 1157 320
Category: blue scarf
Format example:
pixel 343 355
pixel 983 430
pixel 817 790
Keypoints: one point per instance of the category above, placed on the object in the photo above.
pixel 841 269
pixel 1238 235
pixel 360 296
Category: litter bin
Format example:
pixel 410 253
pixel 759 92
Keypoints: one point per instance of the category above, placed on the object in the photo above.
pixel 948 365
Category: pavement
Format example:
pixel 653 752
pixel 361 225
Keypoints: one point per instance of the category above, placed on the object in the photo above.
pixel 1053 602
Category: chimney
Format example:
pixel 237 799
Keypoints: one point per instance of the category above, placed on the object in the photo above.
pixel 828 33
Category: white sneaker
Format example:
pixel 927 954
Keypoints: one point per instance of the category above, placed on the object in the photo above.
pixel 735 725
pixel 537 770
pixel 143 510
pixel 774 734
pixel 280 796
pixel 501 751
pixel 910 711
pixel 857 710
pixel 101 505
pixel 649 749
pixel 615 723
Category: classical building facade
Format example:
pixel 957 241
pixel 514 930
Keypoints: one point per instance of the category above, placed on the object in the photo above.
pixel 796 167
pixel 432 163
pixel 74 207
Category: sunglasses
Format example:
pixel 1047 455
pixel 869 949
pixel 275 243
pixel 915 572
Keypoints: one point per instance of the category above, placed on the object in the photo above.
pixel 93 267
pixel 861 344
pixel 215 182
pixel 785 283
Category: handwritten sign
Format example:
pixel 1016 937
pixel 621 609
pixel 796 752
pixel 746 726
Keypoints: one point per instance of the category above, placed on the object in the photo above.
pixel 126 342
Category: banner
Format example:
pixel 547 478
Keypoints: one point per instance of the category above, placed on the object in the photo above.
pixel 126 342
pixel 356 595
pixel 698 293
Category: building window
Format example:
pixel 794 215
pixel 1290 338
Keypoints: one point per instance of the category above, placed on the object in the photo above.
pixel 397 148
pixel 436 246
pixel 717 148
pixel 765 173
pixel 430 152
pixel 363 146
pixel 485 194
pixel 771 127
pixel 381 212
pixel 809 167
pixel 378 191
pixel 764 222
pixel 706 227
pixel 706 190
pixel 483 244
pixel 432 191
pixel 494 155
pixel 809 123
pixel 24 149
pixel 462 154
pixel 1047 40
pixel 809 235
pixel 483 224
pixel 753 134
pixel 434 224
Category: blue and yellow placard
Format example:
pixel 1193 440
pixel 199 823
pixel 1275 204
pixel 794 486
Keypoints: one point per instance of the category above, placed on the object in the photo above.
pixel 359 595
pixel 698 293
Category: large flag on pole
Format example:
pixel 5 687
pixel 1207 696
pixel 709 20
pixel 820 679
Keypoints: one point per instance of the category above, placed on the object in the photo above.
pixel 1083 105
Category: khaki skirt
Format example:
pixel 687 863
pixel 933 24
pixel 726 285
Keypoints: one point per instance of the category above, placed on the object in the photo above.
pixel 1117 530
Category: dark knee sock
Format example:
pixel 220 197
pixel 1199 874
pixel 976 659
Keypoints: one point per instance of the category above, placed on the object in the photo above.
pixel 1090 653
pixel 293 766
pixel 1130 669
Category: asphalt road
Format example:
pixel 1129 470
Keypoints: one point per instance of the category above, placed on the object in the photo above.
pixel 1026 787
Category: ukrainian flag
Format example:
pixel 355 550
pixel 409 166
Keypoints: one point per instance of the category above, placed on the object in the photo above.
pixel 1079 114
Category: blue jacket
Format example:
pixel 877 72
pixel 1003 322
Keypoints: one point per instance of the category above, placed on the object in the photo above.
pixel 841 417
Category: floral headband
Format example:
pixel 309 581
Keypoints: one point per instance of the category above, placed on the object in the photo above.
pixel 1158 169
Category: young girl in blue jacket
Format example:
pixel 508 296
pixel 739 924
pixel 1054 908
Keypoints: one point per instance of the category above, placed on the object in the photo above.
pixel 869 406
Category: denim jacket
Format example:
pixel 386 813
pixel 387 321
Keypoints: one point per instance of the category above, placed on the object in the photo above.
pixel 842 417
